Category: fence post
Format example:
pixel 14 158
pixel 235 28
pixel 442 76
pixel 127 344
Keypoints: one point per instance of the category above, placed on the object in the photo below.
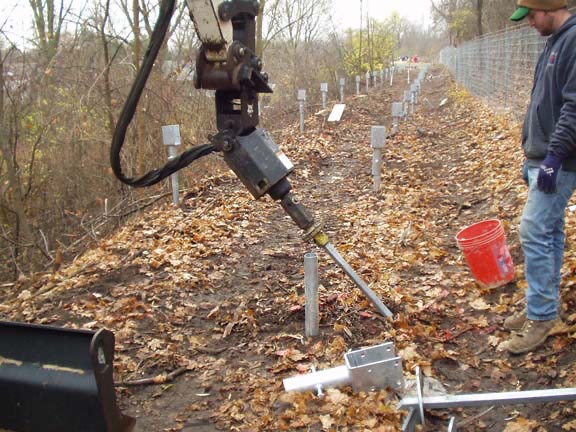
pixel 301 100
pixel 377 141
pixel 311 309
pixel 324 91
pixel 397 112
pixel 414 95
pixel 407 100
pixel 171 138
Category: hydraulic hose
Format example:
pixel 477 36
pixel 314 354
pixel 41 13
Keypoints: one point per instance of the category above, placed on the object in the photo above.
pixel 159 33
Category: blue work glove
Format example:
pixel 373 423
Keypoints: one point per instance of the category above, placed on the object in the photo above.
pixel 548 173
pixel 525 173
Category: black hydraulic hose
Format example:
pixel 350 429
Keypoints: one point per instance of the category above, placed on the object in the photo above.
pixel 186 158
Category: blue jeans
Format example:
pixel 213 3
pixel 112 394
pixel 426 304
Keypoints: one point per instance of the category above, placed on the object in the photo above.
pixel 542 238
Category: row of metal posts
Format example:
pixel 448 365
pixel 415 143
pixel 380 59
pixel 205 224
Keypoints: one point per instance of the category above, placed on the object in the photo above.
pixel 171 133
pixel 311 310
pixel 373 77
pixel 341 375
pixel 171 138
pixel 377 142
pixel 403 109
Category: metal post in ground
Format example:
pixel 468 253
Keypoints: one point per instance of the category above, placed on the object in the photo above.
pixel 171 138
pixel 357 84
pixel 397 113
pixel 407 99
pixel 367 77
pixel 377 141
pixel 414 91
pixel 311 310
pixel 391 75
pixel 301 101
pixel 324 91
pixel 342 84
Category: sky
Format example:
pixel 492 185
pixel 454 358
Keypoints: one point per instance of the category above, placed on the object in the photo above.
pixel 15 20
pixel 347 12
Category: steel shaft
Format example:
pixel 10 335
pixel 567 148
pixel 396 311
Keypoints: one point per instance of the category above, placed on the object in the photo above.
pixel 484 399
pixel 333 252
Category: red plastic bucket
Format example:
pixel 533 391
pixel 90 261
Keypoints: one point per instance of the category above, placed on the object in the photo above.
pixel 484 247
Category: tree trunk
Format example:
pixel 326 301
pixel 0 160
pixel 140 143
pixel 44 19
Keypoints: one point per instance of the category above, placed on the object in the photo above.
pixel 360 46
pixel 48 26
pixel 106 73
pixel 22 237
pixel 259 22
pixel 479 6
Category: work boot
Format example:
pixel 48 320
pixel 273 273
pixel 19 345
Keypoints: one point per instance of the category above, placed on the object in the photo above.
pixel 532 335
pixel 515 322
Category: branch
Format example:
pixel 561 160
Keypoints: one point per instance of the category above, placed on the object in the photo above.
pixel 158 379
pixel 444 16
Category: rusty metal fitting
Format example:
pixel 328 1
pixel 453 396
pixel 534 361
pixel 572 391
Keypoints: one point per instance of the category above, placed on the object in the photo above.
pixel 314 230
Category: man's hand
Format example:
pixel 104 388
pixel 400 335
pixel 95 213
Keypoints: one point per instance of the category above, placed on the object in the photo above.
pixel 548 173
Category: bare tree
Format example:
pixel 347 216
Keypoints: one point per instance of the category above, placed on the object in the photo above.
pixel 15 190
pixel 49 16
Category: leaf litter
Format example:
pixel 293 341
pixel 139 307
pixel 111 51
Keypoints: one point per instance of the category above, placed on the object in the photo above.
pixel 213 290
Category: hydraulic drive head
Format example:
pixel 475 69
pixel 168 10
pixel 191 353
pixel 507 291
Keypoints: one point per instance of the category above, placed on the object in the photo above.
pixel 263 168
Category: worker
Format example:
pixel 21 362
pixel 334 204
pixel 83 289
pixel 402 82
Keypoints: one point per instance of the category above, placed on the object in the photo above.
pixel 549 169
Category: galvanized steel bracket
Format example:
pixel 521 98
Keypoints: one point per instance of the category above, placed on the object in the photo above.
pixel 370 369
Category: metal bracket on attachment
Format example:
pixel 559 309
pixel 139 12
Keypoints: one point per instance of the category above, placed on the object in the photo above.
pixel 369 369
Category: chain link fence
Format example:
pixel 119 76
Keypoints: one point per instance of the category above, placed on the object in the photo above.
pixel 498 67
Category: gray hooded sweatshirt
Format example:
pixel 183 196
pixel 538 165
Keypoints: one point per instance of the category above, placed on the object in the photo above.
pixel 550 122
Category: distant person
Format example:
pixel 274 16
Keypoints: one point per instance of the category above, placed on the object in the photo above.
pixel 415 59
pixel 549 169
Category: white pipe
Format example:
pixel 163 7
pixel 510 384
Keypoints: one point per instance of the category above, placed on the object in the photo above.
pixel 333 377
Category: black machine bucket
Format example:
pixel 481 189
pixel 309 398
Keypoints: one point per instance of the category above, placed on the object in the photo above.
pixel 58 380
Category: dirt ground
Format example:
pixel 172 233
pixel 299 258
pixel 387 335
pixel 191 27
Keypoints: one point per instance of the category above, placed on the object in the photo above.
pixel 213 290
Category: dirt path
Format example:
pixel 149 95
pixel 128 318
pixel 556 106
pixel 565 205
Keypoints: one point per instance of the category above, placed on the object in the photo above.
pixel 216 287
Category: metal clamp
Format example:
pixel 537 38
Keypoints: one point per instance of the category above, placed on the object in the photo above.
pixel 370 369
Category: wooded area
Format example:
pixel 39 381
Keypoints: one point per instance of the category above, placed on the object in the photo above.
pixel 205 301
pixel 61 93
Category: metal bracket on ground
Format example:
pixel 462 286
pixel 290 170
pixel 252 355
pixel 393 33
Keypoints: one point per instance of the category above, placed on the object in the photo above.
pixel 371 369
